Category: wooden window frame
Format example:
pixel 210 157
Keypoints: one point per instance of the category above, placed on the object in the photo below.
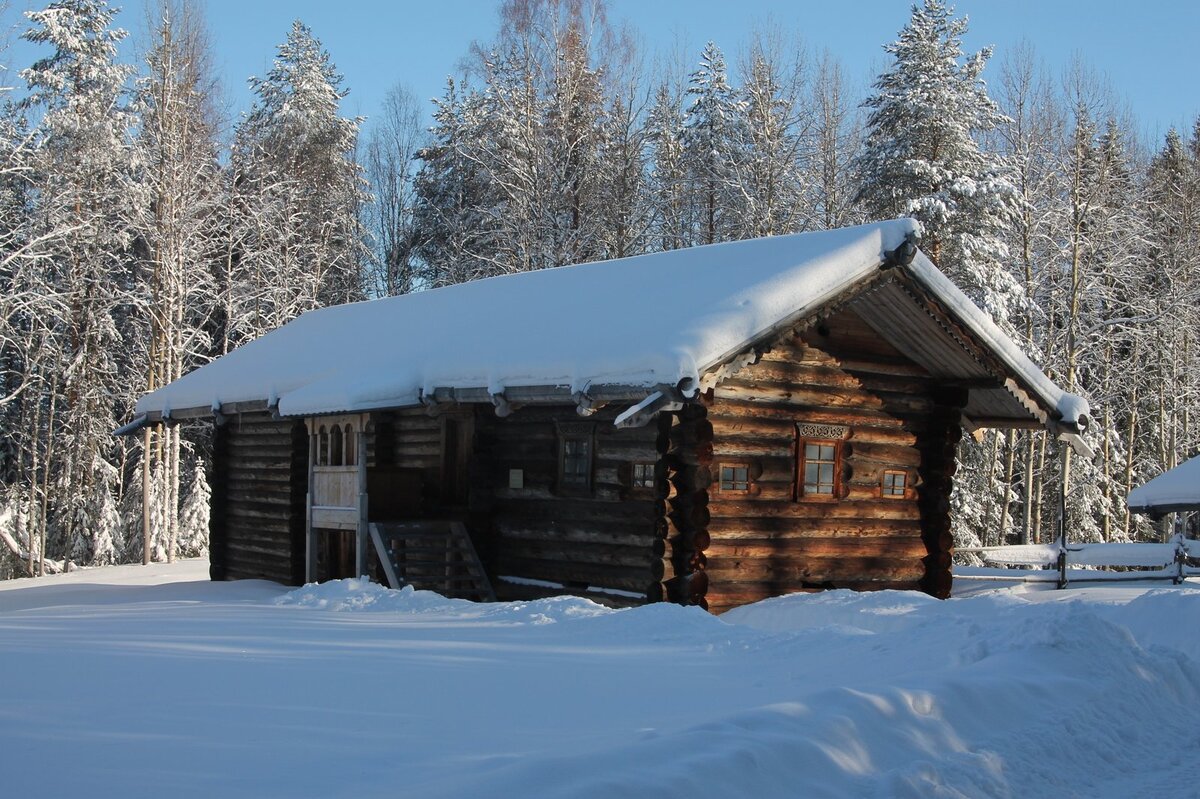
pixel 584 432
pixel 835 494
pixel 906 490
pixel 753 473
pixel 649 468
pixel 349 448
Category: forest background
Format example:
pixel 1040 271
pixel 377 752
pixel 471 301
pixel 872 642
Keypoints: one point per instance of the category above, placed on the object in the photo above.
pixel 142 233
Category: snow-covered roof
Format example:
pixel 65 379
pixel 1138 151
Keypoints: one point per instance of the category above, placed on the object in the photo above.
pixel 1175 490
pixel 664 319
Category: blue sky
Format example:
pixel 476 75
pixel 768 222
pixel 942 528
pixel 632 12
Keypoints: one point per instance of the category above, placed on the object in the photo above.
pixel 1146 50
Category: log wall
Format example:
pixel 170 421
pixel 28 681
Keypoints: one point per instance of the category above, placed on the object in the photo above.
pixel 259 482
pixel 607 537
pixel 772 540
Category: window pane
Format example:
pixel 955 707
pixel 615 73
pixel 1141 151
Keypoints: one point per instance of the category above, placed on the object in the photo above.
pixel 576 461
pixel 811 452
pixel 826 452
pixel 810 474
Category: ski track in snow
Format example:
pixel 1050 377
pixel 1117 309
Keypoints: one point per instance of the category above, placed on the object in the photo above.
pixel 191 688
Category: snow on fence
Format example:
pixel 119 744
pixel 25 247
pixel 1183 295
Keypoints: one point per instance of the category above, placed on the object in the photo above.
pixel 1051 563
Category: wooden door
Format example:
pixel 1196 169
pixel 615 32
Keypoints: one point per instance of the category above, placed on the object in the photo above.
pixel 458 437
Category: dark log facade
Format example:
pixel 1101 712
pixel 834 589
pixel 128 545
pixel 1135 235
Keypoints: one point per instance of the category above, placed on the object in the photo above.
pixel 649 516
pixel 259 482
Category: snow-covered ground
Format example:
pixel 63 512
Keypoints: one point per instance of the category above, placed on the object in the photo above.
pixel 150 681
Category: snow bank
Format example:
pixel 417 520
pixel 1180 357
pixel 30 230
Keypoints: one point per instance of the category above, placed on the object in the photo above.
pixel 350 689
pixel 364 595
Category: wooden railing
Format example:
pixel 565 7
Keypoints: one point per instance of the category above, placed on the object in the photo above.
pixel 1052 563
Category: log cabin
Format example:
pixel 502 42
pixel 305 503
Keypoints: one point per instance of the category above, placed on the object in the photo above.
pixel 709 426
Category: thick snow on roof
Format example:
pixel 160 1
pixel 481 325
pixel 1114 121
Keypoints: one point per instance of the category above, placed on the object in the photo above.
pixel 645 321
pixel 648 320
pixel 1173 490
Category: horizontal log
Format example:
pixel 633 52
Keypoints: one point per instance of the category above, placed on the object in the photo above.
pixel 620 578
pixel 823 397
pixel 620 534
pixel 639 558
pixel 827 375
pixel 722 509
pixel 239 533
pixel 279 494
pixel 578 511
pixel 257 464
pixel 259 514
pixel 862 569
pixel 728 407
pixel 910 546
pixel 779 526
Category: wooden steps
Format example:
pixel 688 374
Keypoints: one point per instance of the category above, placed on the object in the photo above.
pixel 431 555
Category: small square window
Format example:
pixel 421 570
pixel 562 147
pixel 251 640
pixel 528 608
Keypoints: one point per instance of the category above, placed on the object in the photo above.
pixel 894 484
pixel 643 475
pixel 735 477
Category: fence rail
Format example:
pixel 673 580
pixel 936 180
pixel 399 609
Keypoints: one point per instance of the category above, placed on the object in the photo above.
pixel 1175 560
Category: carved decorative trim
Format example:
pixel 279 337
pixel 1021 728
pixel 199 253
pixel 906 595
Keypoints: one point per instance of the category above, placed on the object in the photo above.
pixel 834 431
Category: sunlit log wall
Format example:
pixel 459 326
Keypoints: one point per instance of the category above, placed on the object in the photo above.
pixel 772 539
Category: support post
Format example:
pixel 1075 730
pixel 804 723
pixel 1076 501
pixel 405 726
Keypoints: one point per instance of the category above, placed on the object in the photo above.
pixel 1062 514
pixel 310 538
pixel 360 549
pixel 145 496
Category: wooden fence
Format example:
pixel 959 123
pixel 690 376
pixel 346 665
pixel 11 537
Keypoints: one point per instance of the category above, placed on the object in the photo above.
pixel 1173 561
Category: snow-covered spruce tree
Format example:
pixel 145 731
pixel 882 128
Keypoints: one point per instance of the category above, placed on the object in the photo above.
pixel 178 189
pixel 713 132
pixel 452 225
pixel 922 158
pixel 80 172
pixel 296 194
pixel 194 512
